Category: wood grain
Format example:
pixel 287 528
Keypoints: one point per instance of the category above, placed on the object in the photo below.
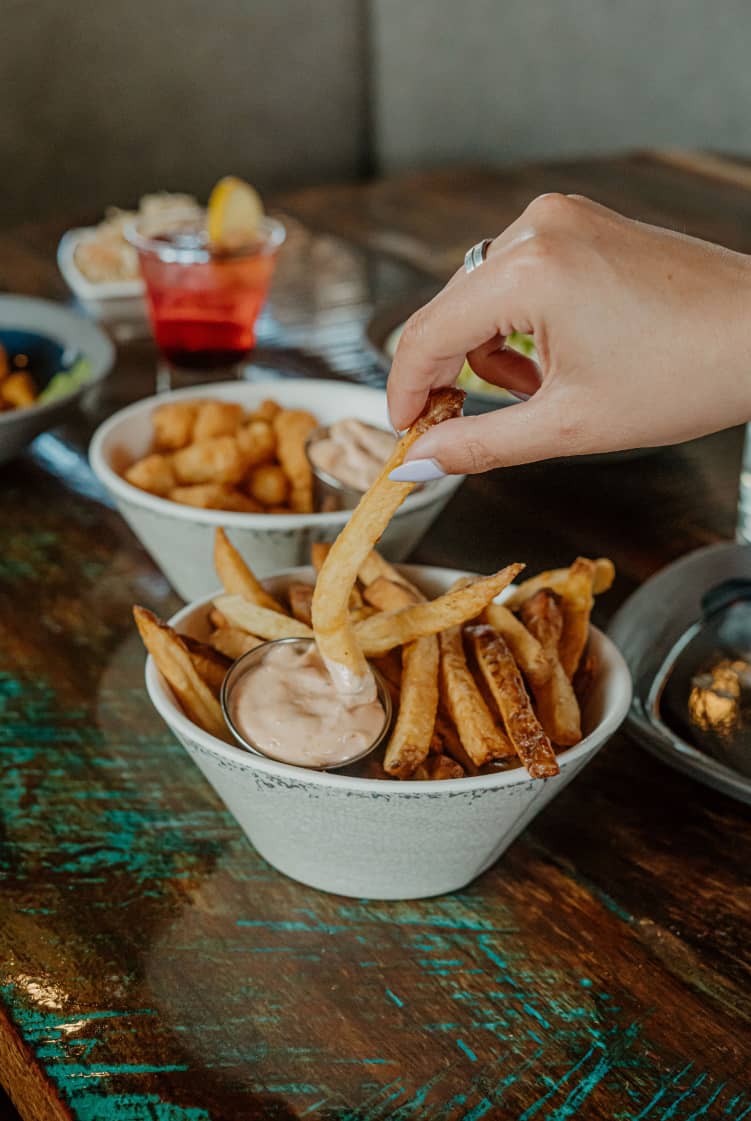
pixel 152 966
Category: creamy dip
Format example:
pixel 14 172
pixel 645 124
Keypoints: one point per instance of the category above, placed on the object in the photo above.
pixel 288 707
pixel 353 453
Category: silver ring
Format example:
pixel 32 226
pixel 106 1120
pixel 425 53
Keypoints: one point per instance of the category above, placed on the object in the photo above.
pixel 475 256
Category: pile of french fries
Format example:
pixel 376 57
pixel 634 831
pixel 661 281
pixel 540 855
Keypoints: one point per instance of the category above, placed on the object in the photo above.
pixel 214 455
pixel 476 686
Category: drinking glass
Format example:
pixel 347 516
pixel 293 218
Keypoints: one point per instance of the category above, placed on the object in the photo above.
pixel 203 304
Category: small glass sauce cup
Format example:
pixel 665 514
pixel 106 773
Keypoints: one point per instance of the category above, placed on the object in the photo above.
pixel 247 661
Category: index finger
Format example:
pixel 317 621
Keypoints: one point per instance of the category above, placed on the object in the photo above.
pixel 472 308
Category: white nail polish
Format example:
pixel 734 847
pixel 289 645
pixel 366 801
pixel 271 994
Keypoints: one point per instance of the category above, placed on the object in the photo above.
pixel 520 396
pixel 417 471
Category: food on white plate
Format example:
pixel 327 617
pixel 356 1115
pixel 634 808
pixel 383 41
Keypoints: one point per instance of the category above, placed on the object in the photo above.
pixel 104 256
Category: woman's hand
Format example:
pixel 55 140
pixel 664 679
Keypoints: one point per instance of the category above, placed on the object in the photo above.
pixel 643 337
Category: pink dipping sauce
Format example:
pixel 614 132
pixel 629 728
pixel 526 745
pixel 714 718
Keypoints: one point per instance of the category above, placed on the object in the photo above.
pixel 288 708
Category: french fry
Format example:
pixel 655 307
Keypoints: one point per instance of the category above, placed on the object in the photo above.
pixel 261 621
pixel 267 410
pixel 335 634
pixel 215 496
pixel 557 706
pixel 390 667
pixel 499 669
pixel 481 738
pixel 268 484
pixel 578 601
pixel 216 618
pixel 410 740
pixel 388 629
pixel 257 443
pixel 173 661
pixel 211 664
pixel 300 598
pixel 388 596
pixel 529 654
pixel 556 578
pixel 292 427
pixel 236 576
pixel 451 744
pixel 375 567
pixel 233 642
pixel 438 768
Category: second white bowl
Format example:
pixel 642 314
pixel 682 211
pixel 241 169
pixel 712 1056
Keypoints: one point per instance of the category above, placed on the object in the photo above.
pixel 181 538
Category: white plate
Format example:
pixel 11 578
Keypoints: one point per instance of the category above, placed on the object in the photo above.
pixel 88 292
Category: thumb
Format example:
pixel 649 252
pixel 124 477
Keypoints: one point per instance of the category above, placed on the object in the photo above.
pixel 468 445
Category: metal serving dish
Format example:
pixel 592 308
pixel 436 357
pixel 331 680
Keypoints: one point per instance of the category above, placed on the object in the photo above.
pixel 686 637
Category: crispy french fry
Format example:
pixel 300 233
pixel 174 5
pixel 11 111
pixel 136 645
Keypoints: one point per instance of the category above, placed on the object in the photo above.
pixel 388 596
pixel 216 618
pixel 529 654
pixel 390 667
pixel 497 665
pixel 437 768
pixel 481 738
pixel 215 496
pixel 319 550
pixel 236 576
pixel 173 661
pixel 557 706
pixel 410 740
pixel 267 410
pixel 268 484
pixel 450 742
pixel 261 621
pixel 233 642
pixel 335 633
pixel 292 427
pixel 375 567
pixel 556 578
pixel 578 601
pixel 257 443
pixel 388 629
pixel 300 599
pixel 211 664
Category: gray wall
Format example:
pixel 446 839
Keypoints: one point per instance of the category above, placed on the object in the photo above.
pixel 511 79
pixel 101 100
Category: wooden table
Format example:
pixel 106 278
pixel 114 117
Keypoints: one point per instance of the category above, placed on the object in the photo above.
pixel 154 967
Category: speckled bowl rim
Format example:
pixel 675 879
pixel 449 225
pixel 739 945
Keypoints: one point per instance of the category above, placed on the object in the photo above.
pixel 437 491
pixel 175 719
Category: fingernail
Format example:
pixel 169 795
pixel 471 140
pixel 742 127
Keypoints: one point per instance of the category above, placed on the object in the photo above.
pixel 394 429
pixel 417 471
pixel 519 396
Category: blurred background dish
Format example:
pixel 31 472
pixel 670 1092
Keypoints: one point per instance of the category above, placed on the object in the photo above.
pixel 67 359
pixel 181 538
pixel 648 629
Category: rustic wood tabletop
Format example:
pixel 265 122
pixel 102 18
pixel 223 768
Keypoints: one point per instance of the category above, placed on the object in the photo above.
pixel 152 966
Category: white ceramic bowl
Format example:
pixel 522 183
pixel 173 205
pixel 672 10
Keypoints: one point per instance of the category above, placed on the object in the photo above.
pixel 383 839
pixel 181 538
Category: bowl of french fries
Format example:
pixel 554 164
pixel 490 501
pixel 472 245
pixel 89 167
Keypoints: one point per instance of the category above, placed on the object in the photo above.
pixel 501 691
pixel 234 455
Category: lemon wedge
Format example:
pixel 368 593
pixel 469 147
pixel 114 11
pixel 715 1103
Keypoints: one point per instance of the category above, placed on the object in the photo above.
pixel 233 214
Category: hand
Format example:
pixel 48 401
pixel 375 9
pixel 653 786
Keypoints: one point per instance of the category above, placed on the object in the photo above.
pixel 643 337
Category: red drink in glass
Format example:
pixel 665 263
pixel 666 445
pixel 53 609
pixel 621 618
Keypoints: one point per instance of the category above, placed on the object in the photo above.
pixel 203 305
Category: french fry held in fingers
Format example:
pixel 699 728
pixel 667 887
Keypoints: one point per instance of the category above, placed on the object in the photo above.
pixel 557 706
pixel 530 656
pixel 260 621
pixel 480 736
pixel 555 579
pixel 388 629
pixel 319 550
pixel 500 671
pixel 335 634
pixel 233 642
pixel 578 600
pixel 236 577
pixel 418 702
pixel 173 661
